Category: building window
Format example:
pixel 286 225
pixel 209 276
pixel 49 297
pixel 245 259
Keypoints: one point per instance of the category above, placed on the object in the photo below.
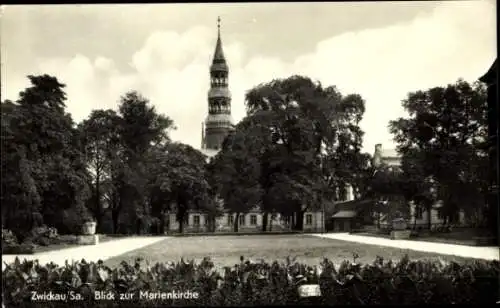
pixel 253 220
pixel 196 220
pixel 242 220
pixel 440 214
pixel 230 219
pixel 286 220
pixel 419 212
pixel 309 219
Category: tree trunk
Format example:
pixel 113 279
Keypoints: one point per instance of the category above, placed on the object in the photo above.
pixel 115 215
pixel 429 216
pixel 264 221
pixel 138 225
pixel 236 222
pixel 180 219
pixel 165 223
pixel 181 226
pixel 415 217
pixel 299 222
pixel 98 211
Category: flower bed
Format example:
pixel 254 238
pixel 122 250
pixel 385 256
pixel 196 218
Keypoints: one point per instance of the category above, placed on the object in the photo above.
pixel 248 283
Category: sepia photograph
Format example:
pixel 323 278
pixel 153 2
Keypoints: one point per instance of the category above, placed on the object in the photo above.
pixel 248 154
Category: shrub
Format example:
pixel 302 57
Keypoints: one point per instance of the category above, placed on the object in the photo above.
pixel 18 249
pixel 8 237
pixel 261 283
pixel 42 236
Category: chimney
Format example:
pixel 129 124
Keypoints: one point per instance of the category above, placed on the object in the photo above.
pixel 350 194
pixel 377 156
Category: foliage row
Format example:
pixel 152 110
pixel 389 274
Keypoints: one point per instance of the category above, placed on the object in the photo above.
pixel 249 283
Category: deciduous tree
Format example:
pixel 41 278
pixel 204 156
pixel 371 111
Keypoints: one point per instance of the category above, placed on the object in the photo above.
pixel 307 122
pixel 447 126
pixel 44 145
pixel 178 181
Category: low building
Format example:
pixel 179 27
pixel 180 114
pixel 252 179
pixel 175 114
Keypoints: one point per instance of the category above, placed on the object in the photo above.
pixel 418 217
pixel 198 221
pixel 386 157
pixel 350 215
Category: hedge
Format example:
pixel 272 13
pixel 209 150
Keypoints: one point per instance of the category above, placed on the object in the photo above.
pixel 249 283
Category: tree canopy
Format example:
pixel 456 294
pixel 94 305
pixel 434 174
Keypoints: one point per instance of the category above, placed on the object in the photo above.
pixel 445 138
pixel 290 145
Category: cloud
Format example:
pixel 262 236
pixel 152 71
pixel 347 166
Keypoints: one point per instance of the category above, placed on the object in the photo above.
pixel 382 65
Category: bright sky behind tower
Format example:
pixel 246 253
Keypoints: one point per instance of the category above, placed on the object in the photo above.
pixel 381 50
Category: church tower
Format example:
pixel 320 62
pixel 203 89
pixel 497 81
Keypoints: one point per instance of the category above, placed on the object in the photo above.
pixel 218 122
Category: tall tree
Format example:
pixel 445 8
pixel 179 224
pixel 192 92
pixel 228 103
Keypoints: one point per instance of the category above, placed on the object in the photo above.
pixel 305 122
pixel 178 181
pixel 101 142
pixel 49 153
pixel 448 127
pixel 117 147
pixel 140 128
pixel 344 164
pixel 235 170
pixel 20 196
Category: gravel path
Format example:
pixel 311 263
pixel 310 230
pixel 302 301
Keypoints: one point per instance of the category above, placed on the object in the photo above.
pixel 101 251
pixel 486 253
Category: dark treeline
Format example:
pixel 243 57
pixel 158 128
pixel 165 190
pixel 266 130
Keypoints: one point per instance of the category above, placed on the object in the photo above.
pixel 298 147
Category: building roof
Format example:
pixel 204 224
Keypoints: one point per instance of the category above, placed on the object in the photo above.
pixel 209 152
pixel 345 214
pixel 491 75
pixel 329 208
pixel 353 205
pixel 219 60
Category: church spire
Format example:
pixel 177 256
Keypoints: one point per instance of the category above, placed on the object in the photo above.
pixel 219 52
pixel 218 122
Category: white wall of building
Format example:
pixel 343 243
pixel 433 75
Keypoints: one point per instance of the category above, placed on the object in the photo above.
pixel 252 222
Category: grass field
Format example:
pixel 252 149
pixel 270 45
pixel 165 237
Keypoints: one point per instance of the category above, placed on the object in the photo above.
pixel 226 250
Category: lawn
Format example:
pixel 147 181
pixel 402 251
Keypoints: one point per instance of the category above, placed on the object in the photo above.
pixel 226 250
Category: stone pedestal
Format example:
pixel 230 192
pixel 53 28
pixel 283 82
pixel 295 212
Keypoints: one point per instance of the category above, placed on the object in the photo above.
pixel 88 228
pixel 400 235
pixel 87 239
pixel 399 224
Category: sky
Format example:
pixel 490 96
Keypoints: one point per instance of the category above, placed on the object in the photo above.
pixel 380 50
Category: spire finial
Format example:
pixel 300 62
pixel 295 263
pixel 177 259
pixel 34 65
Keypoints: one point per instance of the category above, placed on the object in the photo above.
pixel 218 25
